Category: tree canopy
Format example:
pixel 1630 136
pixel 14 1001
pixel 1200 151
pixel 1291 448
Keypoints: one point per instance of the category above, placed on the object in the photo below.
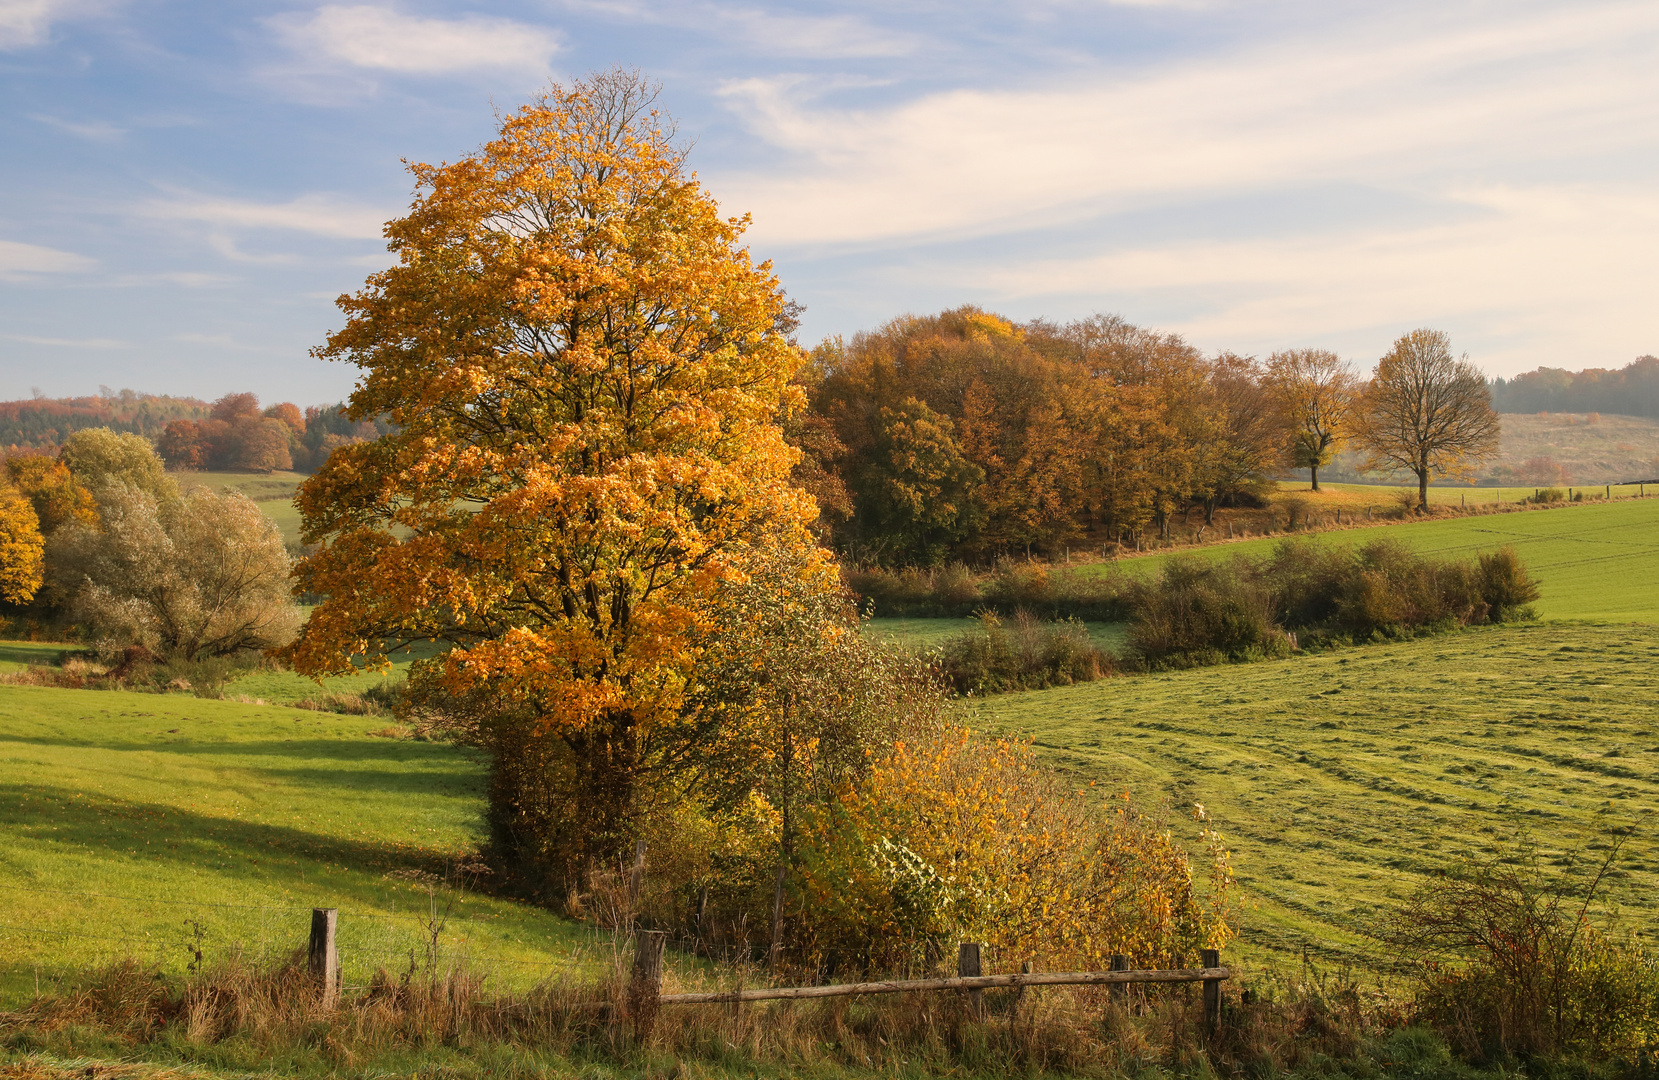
pixel 585 374
pixel 1427 411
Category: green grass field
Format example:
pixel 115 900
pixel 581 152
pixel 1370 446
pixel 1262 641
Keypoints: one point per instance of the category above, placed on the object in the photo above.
pixel 131 820
pixel 1340 779
pixel 1595 561
pixel 274 492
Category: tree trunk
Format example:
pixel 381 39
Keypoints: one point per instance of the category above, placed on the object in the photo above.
pixel 1422 491
pixel 1313 474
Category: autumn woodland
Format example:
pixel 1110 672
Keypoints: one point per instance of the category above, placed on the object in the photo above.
pixel 632 531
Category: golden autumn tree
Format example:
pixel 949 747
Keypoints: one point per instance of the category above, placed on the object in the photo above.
pixel 1318 394
pixel 584 371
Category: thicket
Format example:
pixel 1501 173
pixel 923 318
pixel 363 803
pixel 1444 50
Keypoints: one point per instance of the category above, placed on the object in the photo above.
pixel 1021 653
pixel 1010 586
pixel 1201 612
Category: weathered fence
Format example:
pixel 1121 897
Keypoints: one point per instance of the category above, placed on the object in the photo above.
pixel 644 997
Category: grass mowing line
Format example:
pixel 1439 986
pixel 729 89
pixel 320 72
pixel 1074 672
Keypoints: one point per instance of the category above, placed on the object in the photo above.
pixel 1341 779
pixel 222 825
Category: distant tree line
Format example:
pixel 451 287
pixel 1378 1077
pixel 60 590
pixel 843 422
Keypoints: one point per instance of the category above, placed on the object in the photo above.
pixel 966 436
pixel 1632 390
pixel 46 423
pixel 238 436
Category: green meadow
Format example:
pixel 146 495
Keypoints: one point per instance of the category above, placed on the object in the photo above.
pixel 153 825
pixel 1594 560
pixel 1341 779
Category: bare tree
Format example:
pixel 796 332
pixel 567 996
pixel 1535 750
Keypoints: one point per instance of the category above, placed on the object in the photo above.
pixel 1427 411
pixel 1317 392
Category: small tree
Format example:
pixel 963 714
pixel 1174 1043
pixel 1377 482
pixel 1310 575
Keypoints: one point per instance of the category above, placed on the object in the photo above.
pixel 58 498
pixel 205 574
pixel 1317 392
pixel 1427 411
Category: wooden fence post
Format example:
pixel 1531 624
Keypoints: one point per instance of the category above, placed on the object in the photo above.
pixel 323 954
pixel 636 878
pixel 967 966
pixel 645 982
pixel 1211 958
pixel 775 953
pixel 1119 991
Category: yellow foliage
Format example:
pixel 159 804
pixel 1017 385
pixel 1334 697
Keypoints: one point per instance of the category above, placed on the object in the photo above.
pixel 585 372
pixel 22 549
pixel 952 839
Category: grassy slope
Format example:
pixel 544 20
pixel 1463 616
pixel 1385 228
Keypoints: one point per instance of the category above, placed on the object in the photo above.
pixel 1595 561
pixel 124 815
pixel 1340 779
pixel 1613 448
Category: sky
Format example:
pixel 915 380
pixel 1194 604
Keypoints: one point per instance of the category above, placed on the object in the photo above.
pixel 186 187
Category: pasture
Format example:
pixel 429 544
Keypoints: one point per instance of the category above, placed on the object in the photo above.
pixel 151 825
pixel 1341 779
pixel 1594 560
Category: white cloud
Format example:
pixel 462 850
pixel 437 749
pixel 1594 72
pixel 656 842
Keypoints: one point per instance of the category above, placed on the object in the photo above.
pixel 319 215
pixel 831 37
pixel 1562 269
pixel 71 343
pixel 24 23
pixel 19 262
pixel 1396 100
pixel 770 33
pixel 95 130
pixel 381 39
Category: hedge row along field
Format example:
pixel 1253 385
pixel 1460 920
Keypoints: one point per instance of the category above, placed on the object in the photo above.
pixel 1592 560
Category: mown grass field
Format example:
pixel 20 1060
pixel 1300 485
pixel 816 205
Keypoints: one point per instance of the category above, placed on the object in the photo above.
pixel 1341 779
pixel 140 824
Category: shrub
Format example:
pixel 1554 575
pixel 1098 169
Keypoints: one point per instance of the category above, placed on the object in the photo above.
pixel 1200 612
pixel 1021 654
pixel 959 839
pixel 1510 963
pixel 199 576
pixel 1009 586
pixel 1506 586
pixel 1548 495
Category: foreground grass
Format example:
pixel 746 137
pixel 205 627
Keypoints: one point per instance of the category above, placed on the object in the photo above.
pixel 150 825
pixel 1341 779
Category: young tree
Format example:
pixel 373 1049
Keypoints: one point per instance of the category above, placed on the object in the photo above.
pixel 22 550
pixel 1427 411
pixel 202 574
pixel 1317 392
pixel 584 371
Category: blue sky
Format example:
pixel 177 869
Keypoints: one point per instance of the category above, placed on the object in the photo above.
pixel 186 186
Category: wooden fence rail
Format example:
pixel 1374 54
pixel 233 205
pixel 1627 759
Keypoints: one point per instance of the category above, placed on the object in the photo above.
pixel 974 982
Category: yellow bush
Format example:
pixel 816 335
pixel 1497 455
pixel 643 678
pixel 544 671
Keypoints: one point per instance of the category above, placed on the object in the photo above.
pixel 957 839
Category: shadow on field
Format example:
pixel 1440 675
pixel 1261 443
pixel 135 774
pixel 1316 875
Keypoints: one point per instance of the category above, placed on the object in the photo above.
pixel 99 825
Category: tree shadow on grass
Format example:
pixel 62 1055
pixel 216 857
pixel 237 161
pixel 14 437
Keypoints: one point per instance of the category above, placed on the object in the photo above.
pixel 66 821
